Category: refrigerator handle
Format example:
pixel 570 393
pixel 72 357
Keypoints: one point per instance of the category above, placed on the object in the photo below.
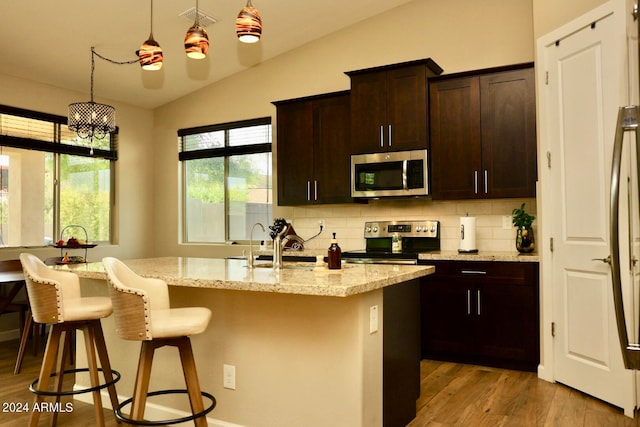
pixel 627 121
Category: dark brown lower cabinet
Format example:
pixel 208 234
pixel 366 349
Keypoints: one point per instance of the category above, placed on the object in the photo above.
pixel 483 313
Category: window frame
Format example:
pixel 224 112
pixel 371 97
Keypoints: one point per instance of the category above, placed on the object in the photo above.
pixel 184 154
pixel 57 147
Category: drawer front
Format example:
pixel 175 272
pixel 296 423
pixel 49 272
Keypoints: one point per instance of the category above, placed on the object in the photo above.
pixel 494 270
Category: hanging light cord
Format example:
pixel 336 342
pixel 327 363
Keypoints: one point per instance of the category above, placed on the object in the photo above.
pixel 93 64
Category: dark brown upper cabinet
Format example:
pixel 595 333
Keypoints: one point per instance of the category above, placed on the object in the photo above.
pixel 483 134
pixel 389 107
pixel 313 157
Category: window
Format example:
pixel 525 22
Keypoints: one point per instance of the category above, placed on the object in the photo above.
pixel 226 178
pixel 51 181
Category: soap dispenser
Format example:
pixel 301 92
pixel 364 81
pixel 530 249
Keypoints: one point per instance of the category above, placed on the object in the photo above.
pixel 335 254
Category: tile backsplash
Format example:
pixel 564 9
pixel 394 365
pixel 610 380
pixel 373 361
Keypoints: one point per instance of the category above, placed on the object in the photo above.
pixel 347 221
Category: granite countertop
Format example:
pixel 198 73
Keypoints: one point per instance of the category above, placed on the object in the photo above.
pixel 232 274
pixel 480 256
pixel 512 256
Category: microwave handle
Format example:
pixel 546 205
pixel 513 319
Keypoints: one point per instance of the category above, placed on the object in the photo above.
pixel 404 174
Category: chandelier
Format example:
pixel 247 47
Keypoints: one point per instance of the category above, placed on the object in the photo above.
pixel 91 120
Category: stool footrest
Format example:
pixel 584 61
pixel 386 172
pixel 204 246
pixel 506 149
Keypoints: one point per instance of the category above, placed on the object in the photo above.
pixel 192 417
pixel 34 390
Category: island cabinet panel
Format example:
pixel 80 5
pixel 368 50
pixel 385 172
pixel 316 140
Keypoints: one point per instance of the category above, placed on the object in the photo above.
pixel 483 134
pixel 313 157
pixel 483 313
pixel 389 107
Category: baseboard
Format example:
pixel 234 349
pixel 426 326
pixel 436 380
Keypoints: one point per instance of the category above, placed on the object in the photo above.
pixel 152 410
pixel 12 334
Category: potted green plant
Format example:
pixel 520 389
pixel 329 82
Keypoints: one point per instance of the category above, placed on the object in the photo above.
pixel 525 241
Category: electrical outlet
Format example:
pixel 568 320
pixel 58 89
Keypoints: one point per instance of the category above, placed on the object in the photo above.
pixel 321 223
pixel 229 377
pixel 506 222
pixel 373 319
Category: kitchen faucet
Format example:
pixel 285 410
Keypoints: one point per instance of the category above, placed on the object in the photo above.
pixel 250 258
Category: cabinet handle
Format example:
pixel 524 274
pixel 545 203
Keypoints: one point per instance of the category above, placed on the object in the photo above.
pixel 309 190
pixel 381 136
pixel 315 189
pixel 475 182
pixel 486 181
pixel 473 272
pixel 469 302
pixel 478 301
pixel 390 136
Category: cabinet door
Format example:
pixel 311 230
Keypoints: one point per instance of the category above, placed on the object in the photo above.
pixel 455 138
pixel 509 133
pixel 331 151
pixel 506 322
pixel 407 119
pixel 368 112
pixel 294 152
pixel 447 317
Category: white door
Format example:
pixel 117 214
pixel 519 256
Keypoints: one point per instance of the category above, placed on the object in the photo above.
pixel 582 95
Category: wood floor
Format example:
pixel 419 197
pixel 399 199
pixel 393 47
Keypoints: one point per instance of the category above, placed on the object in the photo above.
pixel 451 395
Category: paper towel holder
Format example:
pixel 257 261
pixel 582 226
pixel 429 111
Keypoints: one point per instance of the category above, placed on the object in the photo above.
pixel 464 235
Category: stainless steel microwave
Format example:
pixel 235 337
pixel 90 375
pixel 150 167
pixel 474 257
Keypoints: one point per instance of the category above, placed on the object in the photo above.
pixel 391 174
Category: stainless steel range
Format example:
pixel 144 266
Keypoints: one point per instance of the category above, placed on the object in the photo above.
pixel 396 242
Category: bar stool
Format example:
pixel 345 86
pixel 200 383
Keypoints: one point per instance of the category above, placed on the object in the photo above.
pixel 142 311
pixel 56 300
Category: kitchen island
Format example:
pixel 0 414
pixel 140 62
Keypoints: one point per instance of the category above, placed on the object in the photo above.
pixel 310 346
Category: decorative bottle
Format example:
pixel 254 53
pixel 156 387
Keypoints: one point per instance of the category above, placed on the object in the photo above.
pixel 335 255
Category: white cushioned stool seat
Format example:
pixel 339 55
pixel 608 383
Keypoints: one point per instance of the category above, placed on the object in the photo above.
pixel 143 313
pixel 178 322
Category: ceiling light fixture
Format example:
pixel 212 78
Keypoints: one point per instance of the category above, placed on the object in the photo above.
pixel 150 52
pixel 196 42
pixel 92 120
pixel 249 24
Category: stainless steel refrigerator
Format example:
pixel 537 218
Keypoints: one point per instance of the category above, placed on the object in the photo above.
pixel 625 210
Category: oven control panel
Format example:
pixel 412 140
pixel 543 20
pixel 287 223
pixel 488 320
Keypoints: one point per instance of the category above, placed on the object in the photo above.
pixel 376 229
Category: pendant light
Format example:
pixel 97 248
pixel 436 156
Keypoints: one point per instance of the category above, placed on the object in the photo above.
pixel 249 24
pixel 196 42
pixel 150 52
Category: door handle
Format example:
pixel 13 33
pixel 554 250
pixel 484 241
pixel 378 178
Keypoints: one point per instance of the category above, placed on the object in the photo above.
pixel 628 118
pixel 606 260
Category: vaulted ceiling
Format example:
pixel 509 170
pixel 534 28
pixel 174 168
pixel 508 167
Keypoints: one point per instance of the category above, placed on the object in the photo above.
pixel 50 41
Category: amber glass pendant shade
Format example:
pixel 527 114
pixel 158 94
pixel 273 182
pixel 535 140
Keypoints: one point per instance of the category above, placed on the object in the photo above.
pixel 196 42
pixel 249 24
pixel 150 55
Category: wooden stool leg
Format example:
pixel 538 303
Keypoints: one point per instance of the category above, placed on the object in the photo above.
pixel 191 379
pixel 142 380
pixel 101 346
pixel 62 349
pixel 26 332
pixel 48 362
pixel 90 345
